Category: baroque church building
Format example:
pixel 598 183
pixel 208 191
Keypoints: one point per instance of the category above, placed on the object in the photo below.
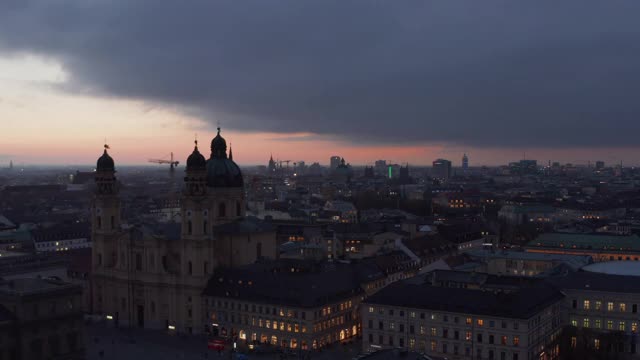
pixel 154 279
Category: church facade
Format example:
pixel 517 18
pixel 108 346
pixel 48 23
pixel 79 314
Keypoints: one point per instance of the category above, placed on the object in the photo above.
pixel 155 280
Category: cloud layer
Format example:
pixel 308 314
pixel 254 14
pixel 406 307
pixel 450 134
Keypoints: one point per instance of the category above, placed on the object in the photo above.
pixel 474 73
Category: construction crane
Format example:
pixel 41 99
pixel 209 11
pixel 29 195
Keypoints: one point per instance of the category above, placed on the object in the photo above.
pixel 172 163
pixel 280 162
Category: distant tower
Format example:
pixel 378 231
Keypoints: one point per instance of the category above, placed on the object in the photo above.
pixel 11 165
pixel 272 165
pixel 465 163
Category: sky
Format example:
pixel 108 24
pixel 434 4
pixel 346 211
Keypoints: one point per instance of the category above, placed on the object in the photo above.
pixel 406 81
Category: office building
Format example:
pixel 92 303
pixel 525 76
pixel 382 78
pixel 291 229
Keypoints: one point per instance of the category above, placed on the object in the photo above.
pixel 441 170
pixel 334 162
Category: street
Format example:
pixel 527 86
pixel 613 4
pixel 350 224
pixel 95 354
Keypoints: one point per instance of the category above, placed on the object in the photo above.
pixel 104 343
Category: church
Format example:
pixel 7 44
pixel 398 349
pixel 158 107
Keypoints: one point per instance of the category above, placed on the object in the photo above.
pixel 153 278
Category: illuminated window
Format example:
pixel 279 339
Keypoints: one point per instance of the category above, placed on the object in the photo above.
pixel 598 305
pixel 586 305
pixel 467 335
pixel 434 331
pixel 596 344
pixel 412 343
pixel 574 322
pixel 621 325
pixel 516 340
pixel 434 345
pixel 503 340
pixel 412 314
pixel 598 324
pixel 392 325
pixel 585 322
pixel 422 330
pixel 480 322
pixel 609 324
pixel 468 321
pixel 371 309
pixel 609 306
pixel 634 327
pixel 622 307
pixel 574 341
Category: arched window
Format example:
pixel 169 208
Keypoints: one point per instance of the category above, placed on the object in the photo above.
pixel 238 209
pixel 205 225
pixel 190 270
pixel 189 227
pixel 222 210
pixel 206 267
pixel 258 250
pixel 113 222
pixel 99 221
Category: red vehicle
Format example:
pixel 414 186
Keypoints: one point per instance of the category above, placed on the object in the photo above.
pixel 216 344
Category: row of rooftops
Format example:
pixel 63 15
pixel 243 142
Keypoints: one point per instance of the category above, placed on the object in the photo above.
pixel 493 295
pixel 593 242
pixel 303 283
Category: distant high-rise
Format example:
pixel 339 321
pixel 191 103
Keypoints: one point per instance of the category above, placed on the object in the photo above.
pixel 524 167
pixel 599 165
pixel 404 177
pixel 11 165
pixel 441 169
pixel 334 162
pixel 381 167
pixel 465 163
pixel 368 172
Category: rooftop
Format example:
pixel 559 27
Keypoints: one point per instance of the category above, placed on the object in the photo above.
pixel 520 304
pixel 575 261
pixel 584 280
pixel 587 242
pixel 631 268
pixel 30 286
pixel 391 354
pixel 291 282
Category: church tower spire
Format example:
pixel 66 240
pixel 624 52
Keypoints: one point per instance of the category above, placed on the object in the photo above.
pixel 105 212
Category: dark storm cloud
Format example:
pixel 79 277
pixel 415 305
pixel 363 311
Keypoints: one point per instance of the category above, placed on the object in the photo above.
pixel 479 73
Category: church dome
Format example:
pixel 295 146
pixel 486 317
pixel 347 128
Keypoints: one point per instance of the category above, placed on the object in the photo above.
pixel 196 160
pixel 218 146
pixel 105 162
pixel 222 171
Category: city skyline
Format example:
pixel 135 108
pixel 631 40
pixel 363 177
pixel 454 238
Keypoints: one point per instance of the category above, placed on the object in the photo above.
pixel 408 83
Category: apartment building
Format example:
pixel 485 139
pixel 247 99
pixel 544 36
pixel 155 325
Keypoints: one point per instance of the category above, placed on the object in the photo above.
pixel 601 313
pixel 464 323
